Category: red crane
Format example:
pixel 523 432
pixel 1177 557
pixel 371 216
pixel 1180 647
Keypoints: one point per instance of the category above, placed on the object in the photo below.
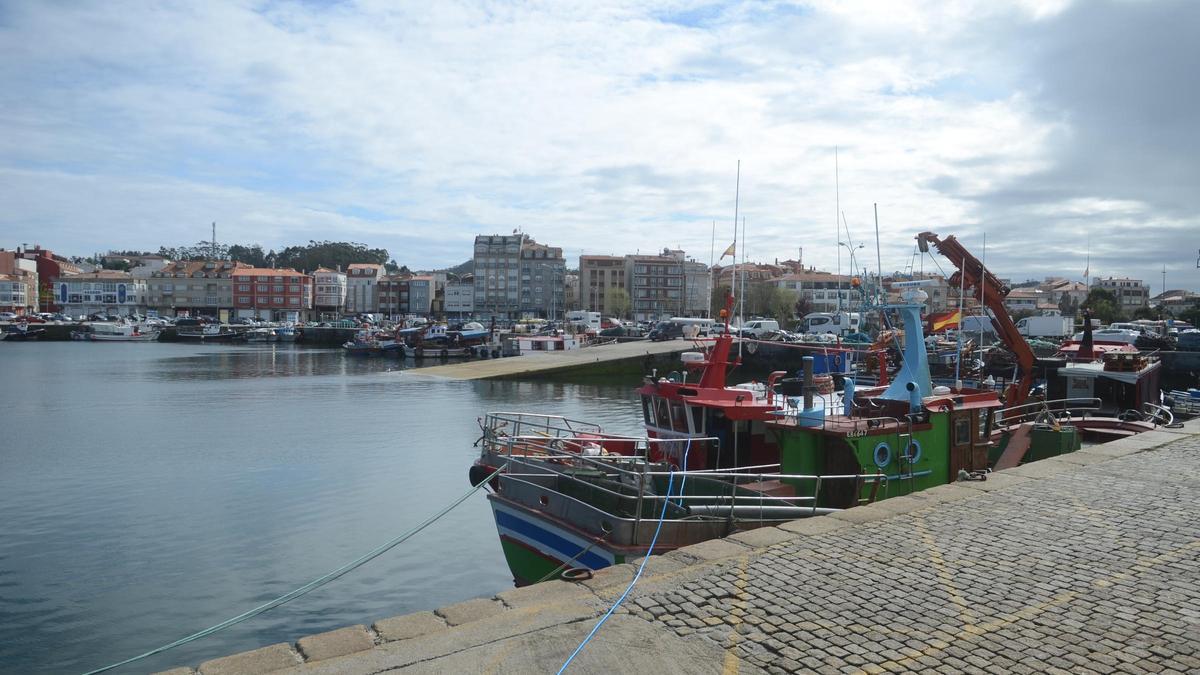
pixel 990 293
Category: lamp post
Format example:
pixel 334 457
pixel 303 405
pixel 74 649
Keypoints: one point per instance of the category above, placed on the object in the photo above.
pixel 851 249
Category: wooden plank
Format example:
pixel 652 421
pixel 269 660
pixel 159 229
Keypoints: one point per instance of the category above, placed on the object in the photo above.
pixel 1014 452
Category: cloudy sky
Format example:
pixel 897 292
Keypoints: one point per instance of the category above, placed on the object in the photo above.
pixel 611 128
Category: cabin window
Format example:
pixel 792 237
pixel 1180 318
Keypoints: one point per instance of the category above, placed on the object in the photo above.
pixel 662 416
pixel 679 421
pixel 647 412
pixel 697 419
pixel 962 431
pixel 983 429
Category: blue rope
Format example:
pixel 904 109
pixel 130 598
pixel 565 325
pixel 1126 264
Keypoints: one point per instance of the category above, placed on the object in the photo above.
pixel 662 516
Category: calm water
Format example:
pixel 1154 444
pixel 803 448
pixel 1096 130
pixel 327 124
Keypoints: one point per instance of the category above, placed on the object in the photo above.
pixel 148 491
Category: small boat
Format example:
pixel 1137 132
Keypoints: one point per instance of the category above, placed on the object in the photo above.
pixel 115 332
pixel 261 335
pixel 438 341
pixel 211 333
pixel 23 332
pixel 285 333
pixel 367 343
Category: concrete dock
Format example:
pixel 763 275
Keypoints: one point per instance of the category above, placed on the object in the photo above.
pixel 1086 563
pixel 637 356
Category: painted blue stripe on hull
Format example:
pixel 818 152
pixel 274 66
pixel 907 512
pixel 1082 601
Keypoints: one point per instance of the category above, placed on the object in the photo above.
pixel 563 546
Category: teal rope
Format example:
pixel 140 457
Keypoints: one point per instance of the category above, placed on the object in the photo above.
pixel 306 588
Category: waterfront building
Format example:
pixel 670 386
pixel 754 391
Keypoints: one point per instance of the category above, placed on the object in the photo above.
pixel 459 299
pixel 18 284
pixel 655 284
pixel 362 288
pixel 497 269
pixel 49 268
pixel 697 288
pixel 104 292
pixel 194 288
pixel 1131 294
pixel 272 294
pixel 824 291
pixel 393 294
pixel 329 292
pixel 422 291
pixel 598 274
pixel 1175 301
pixel 543 270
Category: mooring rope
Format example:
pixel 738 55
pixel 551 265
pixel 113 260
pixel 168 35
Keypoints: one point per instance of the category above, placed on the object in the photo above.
pixel 310 586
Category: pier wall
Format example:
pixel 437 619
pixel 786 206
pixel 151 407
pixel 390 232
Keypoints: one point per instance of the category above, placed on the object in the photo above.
pixel 1087 561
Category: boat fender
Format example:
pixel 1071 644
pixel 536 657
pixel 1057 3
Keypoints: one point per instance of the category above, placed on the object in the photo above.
pixel 478 473
pixel 576 574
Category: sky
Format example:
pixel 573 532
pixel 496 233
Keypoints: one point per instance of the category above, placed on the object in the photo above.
pixel 1064 132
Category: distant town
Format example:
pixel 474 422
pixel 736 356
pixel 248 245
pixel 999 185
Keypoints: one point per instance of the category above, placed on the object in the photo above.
pixel 507 277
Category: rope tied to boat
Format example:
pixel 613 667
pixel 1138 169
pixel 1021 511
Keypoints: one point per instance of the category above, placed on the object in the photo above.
pixel 310 586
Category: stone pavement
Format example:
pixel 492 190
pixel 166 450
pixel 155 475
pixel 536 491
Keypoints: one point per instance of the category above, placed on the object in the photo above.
pixel 1089 563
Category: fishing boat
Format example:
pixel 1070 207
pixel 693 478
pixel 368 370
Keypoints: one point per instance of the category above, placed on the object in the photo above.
pixel 261 335
pixel 285 333
pixel 115 332
pixel 371 343
pixel 211 333
pixel 438 341
pixel 22 331
pixel 718 459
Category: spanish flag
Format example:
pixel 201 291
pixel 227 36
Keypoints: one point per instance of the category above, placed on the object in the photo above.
pixel 729 251
pixel 943 320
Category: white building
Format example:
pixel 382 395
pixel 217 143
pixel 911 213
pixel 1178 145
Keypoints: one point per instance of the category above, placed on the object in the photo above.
pixel 362 288
pixel 329 291
pixel 460 298
pixel 107 292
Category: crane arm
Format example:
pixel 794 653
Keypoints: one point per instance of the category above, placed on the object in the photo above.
pixel 990 292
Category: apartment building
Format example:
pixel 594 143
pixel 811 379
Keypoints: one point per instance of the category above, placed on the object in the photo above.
pixel 18 284
pixel 272 294
pixel 497 261
pixel 393 295
pixel 459 299
pixel 49 267
pixel 543 279
pixel 1131 294
pixel 193 288
pixel 824 291
pixel 362 288
pixel 655 284
pixel 329 292
pixel 598 274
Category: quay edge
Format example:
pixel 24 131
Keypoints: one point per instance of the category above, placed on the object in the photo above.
pixel 700 608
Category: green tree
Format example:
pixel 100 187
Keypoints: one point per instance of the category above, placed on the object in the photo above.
pixel 1103 305
pixel 716 301
pixel 1191 316
pixel 251 255
pixel 1152 313
pixel 617 301
pixel 1066 305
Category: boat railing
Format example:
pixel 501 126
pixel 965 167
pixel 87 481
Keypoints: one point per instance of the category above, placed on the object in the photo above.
pixel 523 423
pixel 617 468
pixel 1054 409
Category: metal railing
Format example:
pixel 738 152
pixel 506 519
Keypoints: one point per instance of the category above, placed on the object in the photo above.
pixel 1052 410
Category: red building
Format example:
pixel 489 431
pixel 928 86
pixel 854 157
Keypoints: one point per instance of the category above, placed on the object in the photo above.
pixel 49 268
pixel 272 294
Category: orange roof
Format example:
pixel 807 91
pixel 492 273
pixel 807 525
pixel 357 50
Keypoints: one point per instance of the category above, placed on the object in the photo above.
pixel 373 266
pixel 268 272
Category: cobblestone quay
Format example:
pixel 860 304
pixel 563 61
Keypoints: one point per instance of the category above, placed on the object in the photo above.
pixel 1085 564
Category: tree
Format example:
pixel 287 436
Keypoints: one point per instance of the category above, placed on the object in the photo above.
pixel 1147 313
pixel 1191 316
pixel 251 255
pixel 1066 305
pixel 716 302
pixel 617 301
pixel 1103 305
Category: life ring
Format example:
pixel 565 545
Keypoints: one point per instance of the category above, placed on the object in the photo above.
pixel 751 347
pixel 913 452
pixel 576 574
pixel 882 454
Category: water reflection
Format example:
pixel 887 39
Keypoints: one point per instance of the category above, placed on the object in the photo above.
pixel 149 491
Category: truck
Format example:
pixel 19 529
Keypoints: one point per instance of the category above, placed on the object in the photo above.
pixel 1046 326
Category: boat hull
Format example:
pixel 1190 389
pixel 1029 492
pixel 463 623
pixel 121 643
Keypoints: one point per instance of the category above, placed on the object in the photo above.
pixel 535 546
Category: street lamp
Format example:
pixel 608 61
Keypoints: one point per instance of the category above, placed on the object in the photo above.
pixel 851 249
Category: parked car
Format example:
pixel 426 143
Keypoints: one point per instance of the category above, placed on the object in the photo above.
pixel 30 318
pixel 665 330
pixel 7 316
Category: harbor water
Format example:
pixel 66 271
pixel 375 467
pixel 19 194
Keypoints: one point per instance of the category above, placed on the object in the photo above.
pixel 148 491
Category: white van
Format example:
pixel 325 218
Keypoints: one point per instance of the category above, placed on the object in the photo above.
pixel 837 323
pixel 757 328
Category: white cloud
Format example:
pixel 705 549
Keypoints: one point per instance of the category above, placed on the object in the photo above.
pixel 594 128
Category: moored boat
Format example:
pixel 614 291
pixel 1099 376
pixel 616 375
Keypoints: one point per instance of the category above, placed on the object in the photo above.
pixel 115 332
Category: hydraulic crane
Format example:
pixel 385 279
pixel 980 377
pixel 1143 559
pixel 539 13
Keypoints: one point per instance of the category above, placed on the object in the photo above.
pixel 990 293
